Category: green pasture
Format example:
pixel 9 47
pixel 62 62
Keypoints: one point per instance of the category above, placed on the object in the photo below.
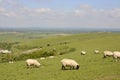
pixel 92 66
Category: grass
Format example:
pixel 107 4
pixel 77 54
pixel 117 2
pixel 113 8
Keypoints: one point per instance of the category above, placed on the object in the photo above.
pixel 92 66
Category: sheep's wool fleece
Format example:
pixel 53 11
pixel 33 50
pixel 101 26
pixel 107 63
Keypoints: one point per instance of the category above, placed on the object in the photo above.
pixel 108 53
pixel 32 61
pixel 67 62
pixel 116 54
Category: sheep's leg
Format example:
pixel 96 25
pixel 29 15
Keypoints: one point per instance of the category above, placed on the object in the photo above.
pixel 73 67
pixel 63 67
pixel 27 66
pixel 70 67
pixel 116 58
pixel 104 56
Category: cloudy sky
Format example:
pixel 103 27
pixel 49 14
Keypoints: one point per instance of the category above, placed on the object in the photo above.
pixel 60 13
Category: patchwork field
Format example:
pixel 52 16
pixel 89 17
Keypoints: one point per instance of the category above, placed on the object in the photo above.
pixel 92 66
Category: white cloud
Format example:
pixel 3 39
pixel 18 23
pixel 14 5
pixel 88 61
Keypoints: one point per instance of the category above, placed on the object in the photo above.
pixel 115 12
pixel 10 14
pixel 39 12
pixel 43 10
pixel 83 16
pixel 2 10
pixel 86 10
pixel 90 16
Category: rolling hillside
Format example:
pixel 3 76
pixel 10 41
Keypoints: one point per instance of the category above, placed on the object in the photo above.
pixel 92 66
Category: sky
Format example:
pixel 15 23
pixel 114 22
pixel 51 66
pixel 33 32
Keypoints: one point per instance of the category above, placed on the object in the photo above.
pixel 60 13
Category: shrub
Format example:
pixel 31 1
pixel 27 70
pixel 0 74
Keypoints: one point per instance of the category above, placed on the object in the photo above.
pixel 72 49
pixel 63 52
pixel 47 53
pixel 6 57
pixel 48 44
pixel 6 45
pixel 36 54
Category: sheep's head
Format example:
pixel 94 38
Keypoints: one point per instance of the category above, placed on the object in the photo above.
pixel 77 67
pixel 37 65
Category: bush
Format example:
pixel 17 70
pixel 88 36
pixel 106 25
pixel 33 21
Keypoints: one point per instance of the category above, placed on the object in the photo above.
pixel 67 50
pixel 72 50
pixel 6 45
pixel 6 57
pixel 22 46
pixel 48 44
pixel 63 52
pixel 37 54
pixel 46 53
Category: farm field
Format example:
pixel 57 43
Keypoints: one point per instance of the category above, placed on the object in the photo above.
pixel 92 66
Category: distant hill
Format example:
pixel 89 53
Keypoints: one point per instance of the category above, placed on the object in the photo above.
pixel 66 30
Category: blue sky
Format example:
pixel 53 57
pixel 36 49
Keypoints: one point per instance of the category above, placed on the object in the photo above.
pixel 60 13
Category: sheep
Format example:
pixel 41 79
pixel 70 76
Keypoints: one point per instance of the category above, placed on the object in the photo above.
pixel 107 53
pixel 69 63
pixel 32 62
pixel 10 61
pixel 83 52
pixel 116 55
pixel 96 51
pixel 54 49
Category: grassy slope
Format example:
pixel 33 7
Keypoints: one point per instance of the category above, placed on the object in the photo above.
pixel 92 66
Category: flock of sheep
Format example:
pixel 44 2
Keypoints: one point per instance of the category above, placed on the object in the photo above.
pixel 65 62
pixel 115 54
pixel 72 63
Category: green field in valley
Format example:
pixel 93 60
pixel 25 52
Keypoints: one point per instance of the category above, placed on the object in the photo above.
pixel 92 66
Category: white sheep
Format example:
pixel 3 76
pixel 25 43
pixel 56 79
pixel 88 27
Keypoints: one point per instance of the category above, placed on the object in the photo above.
pixel 32 62
pixel 10 61
pixel 69 63
pixel 116 55
pixel 96 51
pixel 83 52
pixel 107 53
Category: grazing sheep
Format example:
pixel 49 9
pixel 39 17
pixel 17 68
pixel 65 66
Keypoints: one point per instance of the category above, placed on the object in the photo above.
pixel 32 62
pixel 116 55
pixel 96 51
pixel 54 49
pixel 69 63
pixel 83 52
pixel 107 53
pixel 10 61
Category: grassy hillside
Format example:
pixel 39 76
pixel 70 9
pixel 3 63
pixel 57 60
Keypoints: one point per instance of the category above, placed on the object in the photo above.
pixel 92 66
pixel 85 41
